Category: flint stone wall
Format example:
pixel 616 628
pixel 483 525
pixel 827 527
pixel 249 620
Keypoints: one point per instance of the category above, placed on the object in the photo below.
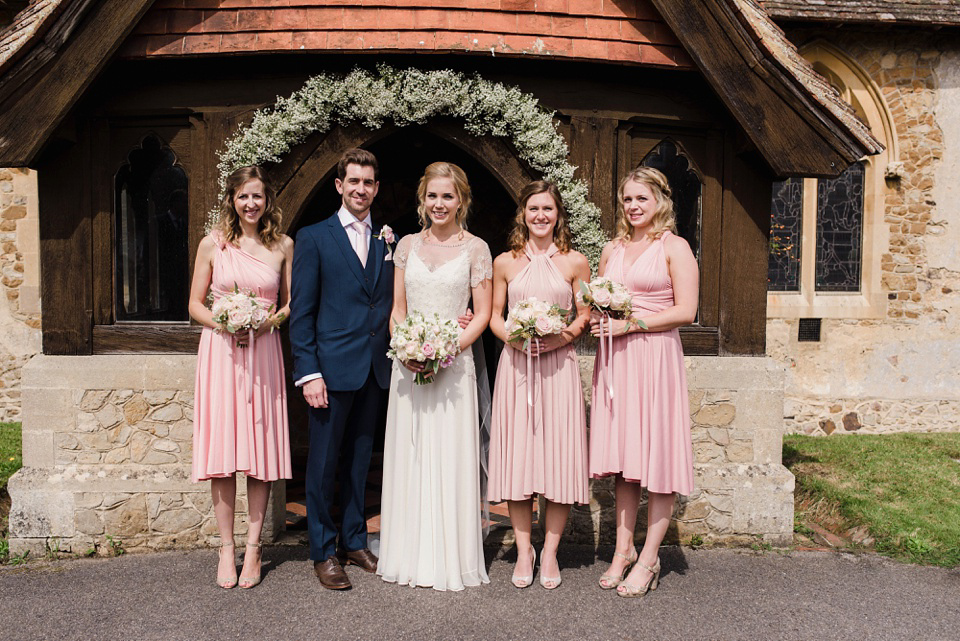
pixel 107 444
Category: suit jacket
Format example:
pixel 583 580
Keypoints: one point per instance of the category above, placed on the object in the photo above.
pixel 338 309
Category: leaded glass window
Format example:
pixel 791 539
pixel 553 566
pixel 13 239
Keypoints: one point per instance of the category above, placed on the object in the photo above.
pixel 840 231
pixel 151 251
pixel 786 229
pixel 686 186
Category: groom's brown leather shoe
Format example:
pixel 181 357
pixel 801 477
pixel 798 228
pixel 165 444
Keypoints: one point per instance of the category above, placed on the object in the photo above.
pixel 331 574
pixel 364 558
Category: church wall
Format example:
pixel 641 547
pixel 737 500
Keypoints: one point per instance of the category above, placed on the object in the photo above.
pixel 19 283
pixel 896 371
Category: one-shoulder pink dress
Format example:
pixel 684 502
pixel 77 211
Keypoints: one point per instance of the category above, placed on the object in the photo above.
pixel 643 432
pixel 236 427
pixel 540 449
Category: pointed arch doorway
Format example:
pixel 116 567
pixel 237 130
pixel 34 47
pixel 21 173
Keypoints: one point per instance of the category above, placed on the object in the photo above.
pixel 307 194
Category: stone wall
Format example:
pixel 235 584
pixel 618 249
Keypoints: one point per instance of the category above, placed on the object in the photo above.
pixel 107 445
pixel 19 282
pixel 742 491
pixel 107 448
pixel 896 371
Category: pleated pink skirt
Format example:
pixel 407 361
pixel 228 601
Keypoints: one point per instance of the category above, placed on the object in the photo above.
pixel 643 432
pixel 237 428
pixel 540 449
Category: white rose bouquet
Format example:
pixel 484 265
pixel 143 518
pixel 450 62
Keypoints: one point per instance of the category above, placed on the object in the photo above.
pixel 240 311
pixel 431 341
pixel 531 318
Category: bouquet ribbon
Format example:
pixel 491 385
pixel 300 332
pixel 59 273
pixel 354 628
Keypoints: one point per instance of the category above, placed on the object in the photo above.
pixel 250 340
pixel 533 416
pixel 606 354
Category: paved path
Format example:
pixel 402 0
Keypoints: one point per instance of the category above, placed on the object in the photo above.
pixel 704 594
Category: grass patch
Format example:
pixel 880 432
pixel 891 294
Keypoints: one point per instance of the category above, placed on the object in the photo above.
pixel 904 488
pixel 11 458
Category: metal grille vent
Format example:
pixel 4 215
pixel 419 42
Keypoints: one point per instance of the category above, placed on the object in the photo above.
pixel 809 330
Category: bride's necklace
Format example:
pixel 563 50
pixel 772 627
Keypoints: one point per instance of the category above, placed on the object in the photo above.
pixel 455 240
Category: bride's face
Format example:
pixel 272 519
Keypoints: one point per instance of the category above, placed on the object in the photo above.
pixel 441 202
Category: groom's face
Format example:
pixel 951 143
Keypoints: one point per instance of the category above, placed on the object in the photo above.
pixel 358 188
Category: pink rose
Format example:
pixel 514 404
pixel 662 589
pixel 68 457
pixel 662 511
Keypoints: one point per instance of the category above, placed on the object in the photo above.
pixel 544 325
pixel 429 351
pixel 602 297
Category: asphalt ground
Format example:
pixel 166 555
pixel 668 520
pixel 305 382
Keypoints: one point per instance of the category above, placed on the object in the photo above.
pixel 704 594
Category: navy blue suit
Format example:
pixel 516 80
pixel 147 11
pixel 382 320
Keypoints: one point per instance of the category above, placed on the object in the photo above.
pixel 339 312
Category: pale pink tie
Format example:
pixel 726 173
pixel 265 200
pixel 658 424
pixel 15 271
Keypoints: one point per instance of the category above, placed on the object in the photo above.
pixel 361 243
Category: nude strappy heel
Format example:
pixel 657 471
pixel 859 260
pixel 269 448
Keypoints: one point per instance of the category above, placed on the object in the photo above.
pixel 610 581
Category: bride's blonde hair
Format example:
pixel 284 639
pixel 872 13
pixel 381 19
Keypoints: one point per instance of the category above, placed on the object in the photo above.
pixel 460 184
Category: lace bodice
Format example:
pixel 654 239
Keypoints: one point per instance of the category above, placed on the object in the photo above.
pixel 438 278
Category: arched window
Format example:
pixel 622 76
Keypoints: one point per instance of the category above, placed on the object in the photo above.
pixel 826 234
pixel 150 235
pixel 686 185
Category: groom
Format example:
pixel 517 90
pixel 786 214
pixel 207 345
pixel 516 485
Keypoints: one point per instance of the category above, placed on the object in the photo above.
pixel 341 299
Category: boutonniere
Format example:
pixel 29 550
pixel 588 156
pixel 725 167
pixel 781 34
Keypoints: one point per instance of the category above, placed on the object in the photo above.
pixel 386 235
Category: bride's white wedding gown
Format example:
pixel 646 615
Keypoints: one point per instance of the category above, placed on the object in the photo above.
pixel 431 530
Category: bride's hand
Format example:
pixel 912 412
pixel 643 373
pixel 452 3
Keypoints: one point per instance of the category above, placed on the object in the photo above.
pixel 418 368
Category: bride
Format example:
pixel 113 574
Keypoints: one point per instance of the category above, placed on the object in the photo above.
pixel 430 520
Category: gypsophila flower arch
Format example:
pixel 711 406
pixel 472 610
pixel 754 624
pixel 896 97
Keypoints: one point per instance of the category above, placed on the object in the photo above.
pixel 413 96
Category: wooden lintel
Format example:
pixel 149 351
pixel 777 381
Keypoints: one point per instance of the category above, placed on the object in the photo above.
pixel 794 135
pixel 29 117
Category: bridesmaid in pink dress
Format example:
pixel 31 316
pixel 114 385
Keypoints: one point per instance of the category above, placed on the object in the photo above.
pixel 240 415
pixel 539 449
pixel 641 431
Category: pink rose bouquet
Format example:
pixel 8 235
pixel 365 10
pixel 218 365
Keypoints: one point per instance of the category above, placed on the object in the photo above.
pixel 607 297
pixel 531 318
pixel 240 311
pixel 434 342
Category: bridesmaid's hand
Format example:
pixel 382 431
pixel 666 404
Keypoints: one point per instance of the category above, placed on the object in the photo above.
pixel 616 327
pixel 272 324
pixel 550 343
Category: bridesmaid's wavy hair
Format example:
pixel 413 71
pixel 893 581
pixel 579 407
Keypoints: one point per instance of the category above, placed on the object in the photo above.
pixel 562 237
pixel 664 218
pixel 269 225
pixel 460 184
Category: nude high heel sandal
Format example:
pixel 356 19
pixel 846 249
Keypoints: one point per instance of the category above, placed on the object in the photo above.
pixel 525 581
pixel 247 582
pixel 631 591
pixel 228 581
pixel 610 581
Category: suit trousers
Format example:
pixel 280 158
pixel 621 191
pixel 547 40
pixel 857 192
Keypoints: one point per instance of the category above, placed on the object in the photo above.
pixel 340 434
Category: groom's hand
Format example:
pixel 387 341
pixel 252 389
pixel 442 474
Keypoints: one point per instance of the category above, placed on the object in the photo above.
pixel 464 320
pixel 315 392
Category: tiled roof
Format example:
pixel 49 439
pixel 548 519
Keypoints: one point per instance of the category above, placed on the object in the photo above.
pixel 930 12
pixel 771 39
pixel 28 26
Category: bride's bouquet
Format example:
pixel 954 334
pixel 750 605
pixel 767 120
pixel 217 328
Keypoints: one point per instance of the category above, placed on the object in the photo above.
pixel 607 297
pixel 531 318
pixel 240 311
pixel 431 341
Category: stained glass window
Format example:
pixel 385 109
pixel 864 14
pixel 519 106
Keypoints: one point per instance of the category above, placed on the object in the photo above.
pixel 686 187
pixel 786 218
pixel 840 231
pixel 152 262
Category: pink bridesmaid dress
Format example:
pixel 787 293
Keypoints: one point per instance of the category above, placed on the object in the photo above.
pixel 540 449
pixel 643 432
pixel 236 427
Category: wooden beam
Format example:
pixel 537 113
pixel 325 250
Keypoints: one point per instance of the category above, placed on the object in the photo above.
pixel 29 118
pixel 790 130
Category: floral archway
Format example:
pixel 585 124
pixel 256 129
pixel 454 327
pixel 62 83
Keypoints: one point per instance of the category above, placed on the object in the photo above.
pixel 413 96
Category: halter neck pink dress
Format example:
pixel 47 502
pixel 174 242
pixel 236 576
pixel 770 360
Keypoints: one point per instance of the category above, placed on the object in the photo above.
pixel 540 449
pixel 643 432
pixel 236 428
